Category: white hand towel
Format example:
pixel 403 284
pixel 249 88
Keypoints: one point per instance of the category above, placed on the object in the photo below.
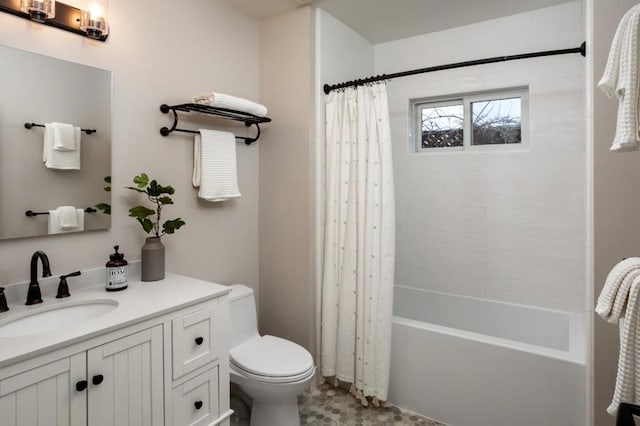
pixel 54 222
pixel 62 160
pixel 64 137
pixel 214 165
pixel 221 100
pixel 621 80
pixel 68 216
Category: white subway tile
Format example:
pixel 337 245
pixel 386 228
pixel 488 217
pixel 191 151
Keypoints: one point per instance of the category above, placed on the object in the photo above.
pixel 504 225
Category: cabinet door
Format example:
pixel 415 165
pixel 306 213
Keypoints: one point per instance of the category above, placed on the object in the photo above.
pixel 125 381
pixel 46 395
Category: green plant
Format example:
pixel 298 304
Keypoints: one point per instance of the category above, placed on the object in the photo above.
pixel 104 207
pixel 159 195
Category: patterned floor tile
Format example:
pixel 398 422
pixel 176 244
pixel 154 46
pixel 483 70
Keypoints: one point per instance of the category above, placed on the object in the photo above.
pixel 329 406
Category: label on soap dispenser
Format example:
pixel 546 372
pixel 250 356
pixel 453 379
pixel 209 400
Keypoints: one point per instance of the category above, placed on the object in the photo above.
pixel 116 278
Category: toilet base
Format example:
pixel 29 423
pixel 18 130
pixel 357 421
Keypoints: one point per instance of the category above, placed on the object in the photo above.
pixel 273 404
pixel 284 413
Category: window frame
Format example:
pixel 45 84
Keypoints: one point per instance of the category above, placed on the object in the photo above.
pixel 467 99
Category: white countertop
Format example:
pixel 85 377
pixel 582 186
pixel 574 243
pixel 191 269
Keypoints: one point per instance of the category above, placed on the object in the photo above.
pixel 139 302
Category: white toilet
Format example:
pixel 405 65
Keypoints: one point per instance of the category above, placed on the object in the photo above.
pixel 271 370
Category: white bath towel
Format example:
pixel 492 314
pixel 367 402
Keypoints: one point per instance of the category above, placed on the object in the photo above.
pixel 612 299
pixel 55 159
pixel 618 302
pixel 620 80
pixel 64 137
pixel 55 222
pixel 221 100
pixel 214 165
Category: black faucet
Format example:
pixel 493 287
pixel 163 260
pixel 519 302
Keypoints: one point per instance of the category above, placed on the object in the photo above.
pixel 3 301
pixel 33 295
pixel 63 287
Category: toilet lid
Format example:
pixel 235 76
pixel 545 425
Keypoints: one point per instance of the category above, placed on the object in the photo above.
pixel 272 357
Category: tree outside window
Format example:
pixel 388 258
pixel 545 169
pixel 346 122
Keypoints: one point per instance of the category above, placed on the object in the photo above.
pixel 473 120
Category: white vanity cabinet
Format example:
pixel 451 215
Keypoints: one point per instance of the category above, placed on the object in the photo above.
pixel 125 381
pixel 168 370
pixel 45 395
pixel 199 368
pixel 118 383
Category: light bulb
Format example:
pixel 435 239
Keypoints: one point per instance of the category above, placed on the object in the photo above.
pixel 39 10
pixel 96 11
pixel 94 20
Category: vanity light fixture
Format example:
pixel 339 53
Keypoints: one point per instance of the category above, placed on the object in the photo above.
pixel 39 10
pixel 94 20
pixel 89 22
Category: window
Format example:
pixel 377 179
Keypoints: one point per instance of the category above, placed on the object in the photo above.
pixel 476 121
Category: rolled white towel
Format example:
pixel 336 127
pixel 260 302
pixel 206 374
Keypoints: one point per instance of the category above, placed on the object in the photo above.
pixel 222 100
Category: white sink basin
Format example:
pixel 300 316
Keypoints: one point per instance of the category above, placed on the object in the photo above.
pixel 55 317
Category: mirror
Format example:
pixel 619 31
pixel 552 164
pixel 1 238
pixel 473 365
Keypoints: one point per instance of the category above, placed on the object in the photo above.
pixel 39 89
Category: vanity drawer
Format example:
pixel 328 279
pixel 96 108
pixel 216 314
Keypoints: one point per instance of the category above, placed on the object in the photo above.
pixel 197 339
pixel 196 401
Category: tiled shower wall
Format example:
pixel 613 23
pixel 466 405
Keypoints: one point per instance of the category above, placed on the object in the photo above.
pixel 502 225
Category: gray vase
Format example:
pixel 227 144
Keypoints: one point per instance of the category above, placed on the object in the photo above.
pixel 152 259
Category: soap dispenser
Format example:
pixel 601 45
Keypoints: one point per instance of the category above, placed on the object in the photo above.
pixel 116 271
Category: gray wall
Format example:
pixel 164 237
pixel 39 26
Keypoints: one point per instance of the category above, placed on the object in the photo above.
pixel 287 285
pixel 616 200
pixel 182 51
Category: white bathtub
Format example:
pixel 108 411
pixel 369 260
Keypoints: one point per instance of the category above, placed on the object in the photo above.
pixel 476 362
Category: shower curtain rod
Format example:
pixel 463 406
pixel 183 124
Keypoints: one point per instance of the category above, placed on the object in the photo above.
pixel 581 50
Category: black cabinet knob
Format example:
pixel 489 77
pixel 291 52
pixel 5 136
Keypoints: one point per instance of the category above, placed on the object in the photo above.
pixel 81 385
pixel 199 340
pixel 97 379
pixel 198 405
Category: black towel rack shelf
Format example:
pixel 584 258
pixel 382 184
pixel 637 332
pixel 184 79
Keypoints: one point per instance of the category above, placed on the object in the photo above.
pixel 228 114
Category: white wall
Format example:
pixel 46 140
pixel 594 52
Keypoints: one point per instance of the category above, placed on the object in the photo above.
pixel 182 50
pixel 503 225
pixel 343 54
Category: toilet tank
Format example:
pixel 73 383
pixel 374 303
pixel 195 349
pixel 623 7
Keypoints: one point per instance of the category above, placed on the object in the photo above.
pixel 242 312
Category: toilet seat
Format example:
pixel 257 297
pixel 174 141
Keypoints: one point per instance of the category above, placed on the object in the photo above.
pixel 272 380
pixel 271 359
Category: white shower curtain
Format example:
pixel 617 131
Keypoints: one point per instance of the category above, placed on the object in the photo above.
pixel 359 244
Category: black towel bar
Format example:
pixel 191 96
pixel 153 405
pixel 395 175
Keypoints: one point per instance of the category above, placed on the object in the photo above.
pixel 30 125
pixel 31 213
